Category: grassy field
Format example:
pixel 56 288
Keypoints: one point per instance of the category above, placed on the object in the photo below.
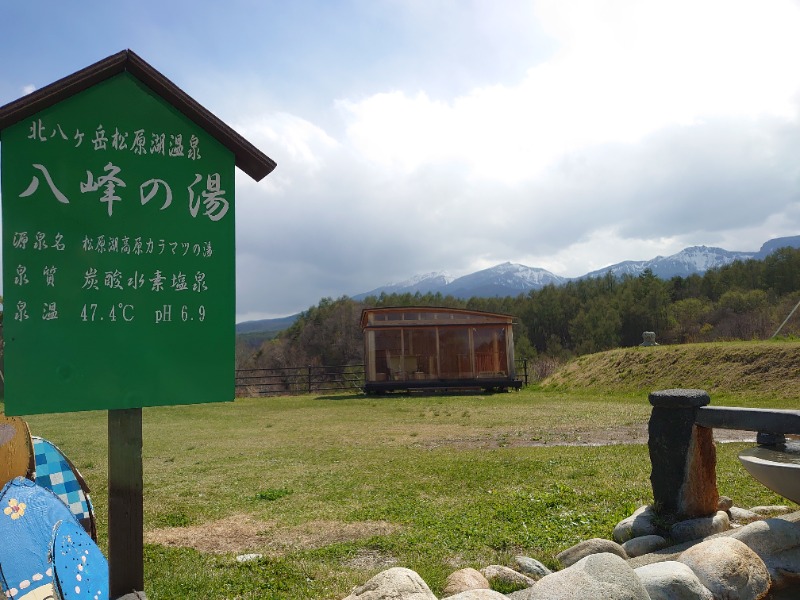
pixel 332 489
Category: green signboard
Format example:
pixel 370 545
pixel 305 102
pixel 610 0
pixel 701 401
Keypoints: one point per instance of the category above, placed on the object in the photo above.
pixel 118 255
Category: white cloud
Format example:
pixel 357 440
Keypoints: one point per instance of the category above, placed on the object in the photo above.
pixel 624 70
pixel 653 127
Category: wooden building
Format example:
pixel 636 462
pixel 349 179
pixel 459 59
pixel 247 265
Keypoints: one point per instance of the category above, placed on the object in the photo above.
pixel 409 348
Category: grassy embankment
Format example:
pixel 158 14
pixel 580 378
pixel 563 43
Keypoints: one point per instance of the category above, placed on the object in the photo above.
pixel 333 489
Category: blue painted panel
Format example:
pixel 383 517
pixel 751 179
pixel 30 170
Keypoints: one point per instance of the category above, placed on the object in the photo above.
pixel 28 514
pixel 81 570
pixel 55 472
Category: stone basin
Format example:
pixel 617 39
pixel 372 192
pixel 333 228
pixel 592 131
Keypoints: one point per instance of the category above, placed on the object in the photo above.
pixel 777 467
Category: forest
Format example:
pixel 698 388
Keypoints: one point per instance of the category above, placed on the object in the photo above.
pixel 746 300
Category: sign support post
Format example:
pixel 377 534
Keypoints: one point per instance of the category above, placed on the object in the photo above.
pixel 125 502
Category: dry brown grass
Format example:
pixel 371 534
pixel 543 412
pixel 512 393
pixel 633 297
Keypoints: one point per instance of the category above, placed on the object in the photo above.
pixel 243 533
pixel 770 369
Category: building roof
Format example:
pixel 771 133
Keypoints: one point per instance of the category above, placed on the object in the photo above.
pixel 404 316
pixel 247 157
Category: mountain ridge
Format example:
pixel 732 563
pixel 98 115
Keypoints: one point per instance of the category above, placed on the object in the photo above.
pixel 511 279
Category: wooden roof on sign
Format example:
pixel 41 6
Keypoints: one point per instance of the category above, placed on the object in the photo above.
pixel 247 157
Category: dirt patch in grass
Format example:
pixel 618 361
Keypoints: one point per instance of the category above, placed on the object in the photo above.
pixel 621 434
pixel 237 533
pixel 244 533
pixel 318 534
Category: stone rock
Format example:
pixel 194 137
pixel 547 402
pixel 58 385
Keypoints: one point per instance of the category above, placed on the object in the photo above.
pixel 768 438
pixel 602 576
pixel 464 580
pixel 397 583
pixel 784 569
pixel 742 515
pixel 679 398
pixel 592 546
pixel 698 496
pixel 695 529
pixel 242 558
pixel 623 531
pixel 531 567
pixel 682 455
pixel 777 543
pixel 771 510
pixel 724 503
pixel 649 338
pixel 479 595
pixel 728 568
pixel 672 580
pixel 509 577
pixel 640 523
pixel 769 537
pixel 644 545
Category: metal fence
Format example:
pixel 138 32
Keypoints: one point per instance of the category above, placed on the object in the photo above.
pixel 310 379
pixel 299 380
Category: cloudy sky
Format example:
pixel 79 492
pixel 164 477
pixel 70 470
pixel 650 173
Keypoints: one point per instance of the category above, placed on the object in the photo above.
pixel 452 135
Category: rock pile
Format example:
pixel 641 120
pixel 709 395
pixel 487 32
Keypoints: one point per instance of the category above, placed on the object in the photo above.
pixel 734 554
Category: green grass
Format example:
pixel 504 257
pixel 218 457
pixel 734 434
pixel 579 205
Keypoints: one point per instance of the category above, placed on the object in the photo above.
pixel 333 489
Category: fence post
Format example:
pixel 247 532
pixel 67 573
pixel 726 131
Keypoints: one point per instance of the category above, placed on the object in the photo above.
pixel 309 379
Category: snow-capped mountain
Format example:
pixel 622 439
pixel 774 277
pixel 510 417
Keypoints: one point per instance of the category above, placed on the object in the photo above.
pixel 427 282
pixel 507 279
pixel 510 279
pixel 696 259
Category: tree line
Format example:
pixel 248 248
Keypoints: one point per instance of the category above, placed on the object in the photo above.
pixel 741 301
